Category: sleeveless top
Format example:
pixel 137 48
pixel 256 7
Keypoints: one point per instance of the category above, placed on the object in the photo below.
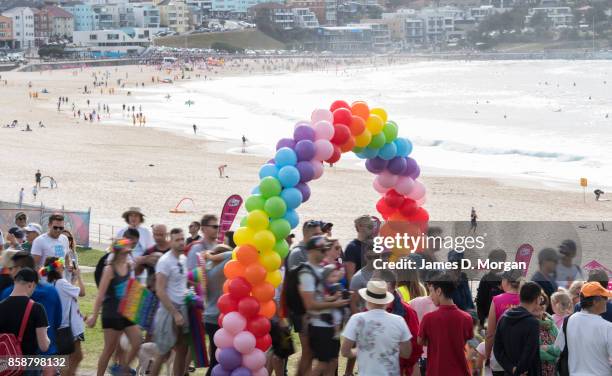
pixel 114 293
pixel 504 302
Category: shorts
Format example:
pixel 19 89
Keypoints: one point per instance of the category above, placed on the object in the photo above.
pixel 297 321
pixel 323 345
pixel 80 338
pixel 116 323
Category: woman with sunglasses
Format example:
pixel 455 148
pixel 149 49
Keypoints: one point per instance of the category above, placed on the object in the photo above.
pixel 549 353
pixel 71 258
pixel 114 280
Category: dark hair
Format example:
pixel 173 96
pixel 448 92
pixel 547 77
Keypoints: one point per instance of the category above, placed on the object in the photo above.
pixel 497 255
pixel 589 302
pixel 23 259
pixel 444 282
pixel 195 223
pixel 26 275
pixel 599 276
pixel 131 233
pixel 514 277
pixel 229 239
pixel 207 218
pixel 530 292
pixel 52 275
pixel 56 217
pixel 175 231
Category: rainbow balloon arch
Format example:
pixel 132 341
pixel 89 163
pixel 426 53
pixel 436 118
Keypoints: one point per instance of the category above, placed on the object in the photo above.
pixel 252 276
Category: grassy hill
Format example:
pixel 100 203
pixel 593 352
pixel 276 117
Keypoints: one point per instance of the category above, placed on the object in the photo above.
pixel 249 39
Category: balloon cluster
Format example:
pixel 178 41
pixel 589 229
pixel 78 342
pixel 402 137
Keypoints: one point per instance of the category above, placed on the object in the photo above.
pixel 253 274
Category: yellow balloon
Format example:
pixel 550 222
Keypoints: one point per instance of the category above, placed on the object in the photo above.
pixel 258 220
pixel 274 278
pixel 244 235
pixel 363 139
pixel 264 240
pixel 234 254
pixel 374 124
pixel 270 260
pixel 380 113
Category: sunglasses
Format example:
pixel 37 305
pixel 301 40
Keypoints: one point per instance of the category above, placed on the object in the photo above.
pixel 216 227
pixel 58 228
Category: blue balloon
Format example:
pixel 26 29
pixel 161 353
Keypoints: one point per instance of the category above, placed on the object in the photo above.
pixel 370 153
pixel 268 170
pixel 285 157
pixel 388 151
pixel 292 197
pixel 289 176
pixel 255 190
pixel 404 147
pixel 361 155
pixel 293 218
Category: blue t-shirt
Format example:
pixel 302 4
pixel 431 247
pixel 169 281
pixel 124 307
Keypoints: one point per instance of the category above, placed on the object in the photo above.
pixel 47 296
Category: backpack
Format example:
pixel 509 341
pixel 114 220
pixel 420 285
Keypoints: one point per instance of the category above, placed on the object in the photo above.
pixel 563 362
pixel 100 269
pixel 291 300
pixel 10 346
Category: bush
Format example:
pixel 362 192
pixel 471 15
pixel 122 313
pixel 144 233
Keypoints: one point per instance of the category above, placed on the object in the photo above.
pixel 223 46
pixel 51 51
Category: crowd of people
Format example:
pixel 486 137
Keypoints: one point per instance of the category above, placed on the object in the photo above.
pixel 384 322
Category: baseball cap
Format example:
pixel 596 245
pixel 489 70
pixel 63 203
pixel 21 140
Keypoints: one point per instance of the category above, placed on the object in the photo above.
pixel 16 232
pixel 33 227
pixel 548 254
pixel 20 215
pixel 326 226
pixel 26 275
pixel 568 247
pixel 317 242
pixel 593 289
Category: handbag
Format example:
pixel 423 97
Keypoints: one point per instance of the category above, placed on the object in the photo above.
pixel 563 363
pixel 64 339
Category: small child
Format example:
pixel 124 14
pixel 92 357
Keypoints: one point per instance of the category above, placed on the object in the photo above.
pixel 561 306
pixel 333 291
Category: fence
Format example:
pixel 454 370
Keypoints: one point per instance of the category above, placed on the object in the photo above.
pixel 102 234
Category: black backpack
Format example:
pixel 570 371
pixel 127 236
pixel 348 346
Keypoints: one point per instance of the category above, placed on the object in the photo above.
pixel 563 362
pixel 100 269
pixel 291 300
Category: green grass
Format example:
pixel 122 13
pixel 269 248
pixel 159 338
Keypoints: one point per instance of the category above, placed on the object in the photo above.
pixel 89 257
pixel 249 39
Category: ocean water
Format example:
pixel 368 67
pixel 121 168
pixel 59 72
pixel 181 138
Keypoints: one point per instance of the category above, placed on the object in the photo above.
pixel 540 121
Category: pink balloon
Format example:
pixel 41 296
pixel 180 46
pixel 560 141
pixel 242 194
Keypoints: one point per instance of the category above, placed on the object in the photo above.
pixel 302 122
pixel 223 338
pixel 386 179
pixel 404 185
pixel 234 323
pixel 418 191
pixel 323 150
pixel 318 168
pixel 421 201
pixel 217 352
pixel 261 372
pixel 379 188
pixel 244 342
pixel 321 114
pixel 324 130
pixel 254 360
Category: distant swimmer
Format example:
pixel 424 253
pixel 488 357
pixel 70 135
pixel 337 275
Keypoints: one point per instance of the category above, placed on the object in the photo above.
pixel 606 116
pixel 244 141
pixel 473 220
pixel 589 97
pixel 505 116
pixel 222 171
pixel 168 96
pixel 476 112
pixel 195 129
pixel 574 84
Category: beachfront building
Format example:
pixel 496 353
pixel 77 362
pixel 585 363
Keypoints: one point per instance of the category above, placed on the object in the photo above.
pixel 6 32
pixel 204 5
pixel 146 15
pixel 381 37
pixel 356 38
pixel 482 12
pixel 304 18
pixel 414 32
pixel 104 18
pixel 83 15
pixel 437 25
pixel 279 15
pixel 396 22
pixel 112 43
pixel 60 22
pixel 174 14
pixel 23 26
pixel 41 27
pixel 557 16
pixel 315 6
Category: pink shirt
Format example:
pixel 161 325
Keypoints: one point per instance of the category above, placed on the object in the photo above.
pixel 422 305
pixel 504 302
pixel 558 319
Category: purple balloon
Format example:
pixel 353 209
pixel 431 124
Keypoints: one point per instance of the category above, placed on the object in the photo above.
pixel 411 166
pixel 230 359
pixel 218 370
pixel 305 150
pixel 305 191
pixel 242 371
pixel 376 165
pixel 271 161
pixel 416 173
pixel 306 171
pixel 285 143
pixel 397 165
pixel 304 132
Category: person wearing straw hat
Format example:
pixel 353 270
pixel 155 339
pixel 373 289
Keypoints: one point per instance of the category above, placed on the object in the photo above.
pixel 134 219
pixel 376 337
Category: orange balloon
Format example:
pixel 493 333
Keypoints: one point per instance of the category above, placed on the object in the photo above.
pixel 357 126
pixel 361 109
pixel 226 286
pixel 263 292
pixel 348 145
pixel 267 309
pixel 233 269
pixel 255 274
pixel 246 254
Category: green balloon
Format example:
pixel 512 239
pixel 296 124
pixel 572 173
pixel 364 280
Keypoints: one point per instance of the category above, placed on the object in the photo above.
pixel 255 202
pixel 357 149
pixel 280 228
pixel 275 207
pixel 390 131
pixel 269 187
pixel 378 141
pixel 282 248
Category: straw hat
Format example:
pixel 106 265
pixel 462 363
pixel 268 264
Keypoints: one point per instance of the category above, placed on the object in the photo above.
pixel 132 210
pixel 376 293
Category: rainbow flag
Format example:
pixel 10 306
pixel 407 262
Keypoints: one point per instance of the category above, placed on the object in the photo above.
pixel 197 336
pixel 138 304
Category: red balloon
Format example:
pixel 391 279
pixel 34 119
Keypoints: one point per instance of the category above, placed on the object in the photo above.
pixel 357 125
pixel 339 104
pixel 420 216
pixel 335 156
pixel 343 116
pixel 220 319
pixel 248 307
pixel 264 342
pixel 348 145
pixel 393 199
pixel 239 288
pixel 259 326
pixel 409 207
pixel 385 210
pixel 227 304
pixel 341 134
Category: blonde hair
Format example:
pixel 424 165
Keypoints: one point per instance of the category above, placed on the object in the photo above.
pixel 574 290
pixel 563 299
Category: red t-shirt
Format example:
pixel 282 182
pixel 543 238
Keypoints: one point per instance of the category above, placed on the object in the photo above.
pixel 446 331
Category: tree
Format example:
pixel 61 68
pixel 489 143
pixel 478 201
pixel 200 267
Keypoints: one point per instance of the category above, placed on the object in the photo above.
pixel 540 21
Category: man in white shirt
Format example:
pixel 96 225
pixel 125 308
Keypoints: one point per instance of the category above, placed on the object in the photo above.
pixel 51 244
pixel 134 219
pixel 381 337
pixel 171 320
pixel 588 336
